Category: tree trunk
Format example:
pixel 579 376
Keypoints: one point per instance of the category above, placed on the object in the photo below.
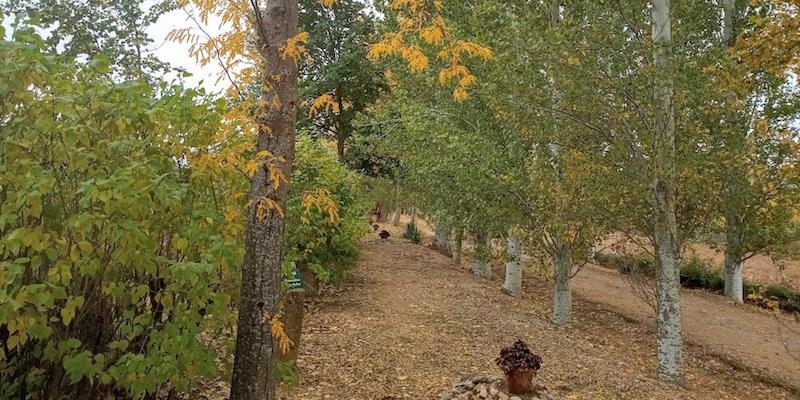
pixel 458 238
pixel 733 259
pixel 293 311
pixel 255 355
pixel 483 255
pixel 513 282
pixel 562 293
pixel 396 216
pixel 413 214
pixel 441 240
pixel 668 305
pixel 733 226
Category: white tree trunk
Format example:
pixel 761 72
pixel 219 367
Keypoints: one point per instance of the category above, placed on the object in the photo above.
pixel 733 226
pixel 734 284
pixel 458 238
pixel 733 259
pixel 562 293
pixel 665 233
pixel 483 255
pixel 513 282
pixel 727 22
pixel 396 216
pixel 441 240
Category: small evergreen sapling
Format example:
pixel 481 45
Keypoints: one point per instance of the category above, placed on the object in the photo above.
pixel 412 233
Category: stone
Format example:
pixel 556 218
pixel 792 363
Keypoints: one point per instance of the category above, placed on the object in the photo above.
pixel 482 392
pixel 445 395
pixel 462 387
pixel 493 391
pixel 481 379
pixel 514 398
pixel 539 388
pixel 548 396
pixel 502 396
pixel 563 386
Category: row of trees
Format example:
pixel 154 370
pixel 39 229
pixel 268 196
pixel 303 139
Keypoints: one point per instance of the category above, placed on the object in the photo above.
pixel 587 118
pixel 665 122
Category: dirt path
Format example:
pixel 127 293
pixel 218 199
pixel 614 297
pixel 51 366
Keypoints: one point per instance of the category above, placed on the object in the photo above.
pixel 408 323
pixel 742 334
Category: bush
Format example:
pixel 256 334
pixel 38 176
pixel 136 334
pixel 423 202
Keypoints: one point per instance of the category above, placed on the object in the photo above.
pixel 627 264
pixel 787 298
pixel 412 233
pixel 697 273
pixel 114 252
pixel 326 216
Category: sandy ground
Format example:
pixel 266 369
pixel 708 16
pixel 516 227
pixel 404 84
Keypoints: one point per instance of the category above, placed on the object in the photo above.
pixel 408 323
pixel 759 268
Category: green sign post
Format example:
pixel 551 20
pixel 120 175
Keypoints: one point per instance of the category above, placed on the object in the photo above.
pixel 294 280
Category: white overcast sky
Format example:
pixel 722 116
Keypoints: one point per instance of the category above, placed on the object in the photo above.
pixel 178 54
pixel 174 53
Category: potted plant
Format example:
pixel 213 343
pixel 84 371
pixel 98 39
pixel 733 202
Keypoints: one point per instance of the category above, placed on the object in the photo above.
pixel 519 365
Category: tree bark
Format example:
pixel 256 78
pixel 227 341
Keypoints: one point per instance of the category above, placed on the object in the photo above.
pixel 513 282
pixel 733 224
pixel 457 244
pixel 255 357
pixel 733 259
pixel 483 255
pixel 665 232
pixel 293 312
pixel 441 240
pixel 562 293
pixel 396 216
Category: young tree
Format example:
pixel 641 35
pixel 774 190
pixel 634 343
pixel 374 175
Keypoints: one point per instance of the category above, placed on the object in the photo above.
pixel 665 223
pixel 750 147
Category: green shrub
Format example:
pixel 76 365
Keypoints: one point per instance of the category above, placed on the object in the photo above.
pixel 698 273
pixel 327 246
pixel 787 298
pixel 412 233
pixel 287 373
pixel 626 264
pixel 114 254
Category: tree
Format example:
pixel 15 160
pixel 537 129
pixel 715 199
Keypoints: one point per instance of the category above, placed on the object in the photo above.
pixel 117 29
pixel 254 368
pixel 337 71
pixel 665 222
pixel 752 147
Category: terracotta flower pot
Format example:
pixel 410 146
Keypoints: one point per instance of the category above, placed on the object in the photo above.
pixel 520 382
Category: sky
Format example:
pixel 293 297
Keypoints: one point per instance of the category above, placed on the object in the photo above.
pixel 176 54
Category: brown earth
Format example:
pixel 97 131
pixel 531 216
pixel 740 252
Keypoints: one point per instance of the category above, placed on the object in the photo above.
pixel 408 323
pixel 759 268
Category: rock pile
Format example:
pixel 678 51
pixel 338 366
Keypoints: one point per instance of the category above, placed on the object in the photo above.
pixel 490 388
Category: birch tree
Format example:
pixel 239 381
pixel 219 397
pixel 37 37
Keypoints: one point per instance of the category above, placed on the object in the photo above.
pixel 665 225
